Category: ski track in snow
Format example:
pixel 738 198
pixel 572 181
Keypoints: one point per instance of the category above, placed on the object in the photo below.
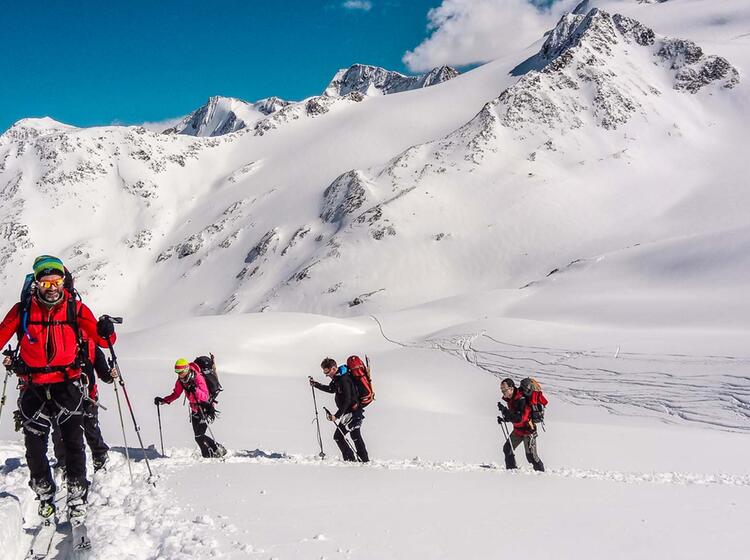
pixel 711 390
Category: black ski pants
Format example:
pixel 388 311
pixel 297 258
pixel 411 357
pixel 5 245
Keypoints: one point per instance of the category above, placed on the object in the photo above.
pixel 339 436
pixel 41 407
pixel 529 446
pixel 207 445
pixel 91 430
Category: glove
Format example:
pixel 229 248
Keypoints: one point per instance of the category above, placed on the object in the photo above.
pixel 502 408
pixel 105 327
pixel 158 401
pixel 17 420
pixel 500 419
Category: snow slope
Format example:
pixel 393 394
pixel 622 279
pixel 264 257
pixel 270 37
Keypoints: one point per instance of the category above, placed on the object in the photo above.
pixel 576 211
pixel 619 463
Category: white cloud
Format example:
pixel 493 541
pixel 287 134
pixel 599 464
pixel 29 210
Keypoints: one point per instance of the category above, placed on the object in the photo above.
pixel 471 31
pixel 364 5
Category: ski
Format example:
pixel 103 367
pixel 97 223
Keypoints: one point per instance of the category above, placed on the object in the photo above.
pixel 41 543
pixel 81 541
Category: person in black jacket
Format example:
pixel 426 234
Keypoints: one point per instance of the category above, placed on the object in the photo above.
pixel 348 414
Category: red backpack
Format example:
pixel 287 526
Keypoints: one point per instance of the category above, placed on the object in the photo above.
pixel 362 381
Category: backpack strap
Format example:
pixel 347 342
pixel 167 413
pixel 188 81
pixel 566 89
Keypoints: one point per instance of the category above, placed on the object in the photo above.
pixel 71 319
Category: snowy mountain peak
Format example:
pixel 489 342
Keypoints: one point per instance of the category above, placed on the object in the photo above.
pixel 222 115
pixel 34 126
pixel 373 80
pixel 606 67
pixel 218 116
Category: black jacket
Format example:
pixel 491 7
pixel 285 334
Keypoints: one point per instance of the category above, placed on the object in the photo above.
pixel 342 386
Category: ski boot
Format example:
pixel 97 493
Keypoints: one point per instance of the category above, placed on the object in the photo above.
pixel 45 493
pixel 100 462
pixel 220 451
pixel 77 495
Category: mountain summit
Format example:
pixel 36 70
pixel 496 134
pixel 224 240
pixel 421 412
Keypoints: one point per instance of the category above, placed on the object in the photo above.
pixel 222 115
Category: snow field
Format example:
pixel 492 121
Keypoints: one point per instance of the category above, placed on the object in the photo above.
pixel 436 487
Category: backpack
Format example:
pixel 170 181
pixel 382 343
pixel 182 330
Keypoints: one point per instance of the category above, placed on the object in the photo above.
pixel 208 369
pixel 360 372
pixel 532 391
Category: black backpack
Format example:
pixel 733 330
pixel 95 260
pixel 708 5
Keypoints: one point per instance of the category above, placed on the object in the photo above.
pixel 208 369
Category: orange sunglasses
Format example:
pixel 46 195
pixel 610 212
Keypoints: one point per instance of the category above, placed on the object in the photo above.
pixel 47 284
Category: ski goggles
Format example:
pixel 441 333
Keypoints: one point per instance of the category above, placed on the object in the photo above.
pixel 47 284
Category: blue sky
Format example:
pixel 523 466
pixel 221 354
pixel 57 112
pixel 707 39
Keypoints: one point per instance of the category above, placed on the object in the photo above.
pixel 91 63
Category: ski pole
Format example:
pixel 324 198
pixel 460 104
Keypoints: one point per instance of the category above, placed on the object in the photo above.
pixel 5 385
pixel 122 425
pixel 343 433
pixel 120 380
pixel 8 370
pixel 506 434
pixel 208 426
pixel 322 454
pixel 161 439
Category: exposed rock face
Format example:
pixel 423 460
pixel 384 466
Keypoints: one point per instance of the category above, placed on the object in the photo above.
pixel 373 80
pixel 582 74
pixel 343 197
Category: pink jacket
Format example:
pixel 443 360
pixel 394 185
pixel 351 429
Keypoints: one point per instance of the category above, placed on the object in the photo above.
pixel 201 390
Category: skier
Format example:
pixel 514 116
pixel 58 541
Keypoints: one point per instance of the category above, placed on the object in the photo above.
pixel 349 415
pixel 191 381
pixel 518 411
pixel 95 366
pixel 48 364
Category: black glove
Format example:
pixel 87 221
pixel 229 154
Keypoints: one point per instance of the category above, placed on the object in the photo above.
pixel 17 420
pixel 209 412
pixel 105 327
pixel 158 401
pixel 500 419
pixel 190 387
pixel 502 408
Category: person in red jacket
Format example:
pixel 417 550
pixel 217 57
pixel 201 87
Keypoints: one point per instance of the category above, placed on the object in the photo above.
pixel 518 411
pixel 190 380
pixel 48 365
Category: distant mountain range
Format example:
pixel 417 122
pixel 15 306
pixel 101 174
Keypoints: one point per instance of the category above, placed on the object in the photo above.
pixel 384 193
pixel 223 115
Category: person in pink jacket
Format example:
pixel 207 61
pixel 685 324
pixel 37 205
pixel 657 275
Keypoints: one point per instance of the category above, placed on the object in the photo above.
pixel 190 381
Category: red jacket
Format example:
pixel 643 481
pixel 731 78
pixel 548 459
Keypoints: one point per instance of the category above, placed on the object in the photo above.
pixel 518 404
pixel 51 341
